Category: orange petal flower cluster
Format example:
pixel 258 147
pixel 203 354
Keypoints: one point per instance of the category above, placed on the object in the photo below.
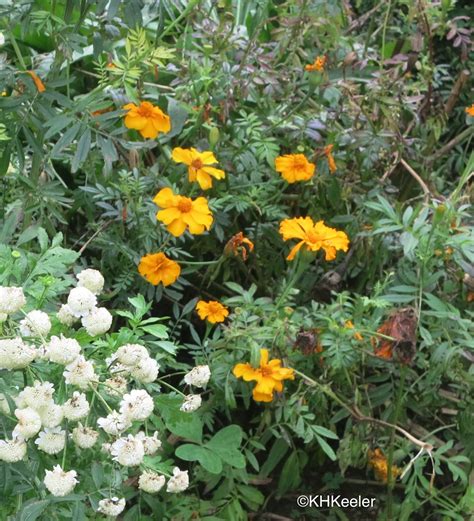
pixel 212 311
pixel 350 325
pixel 470 110
pixel 330 158
pixel 37 81
pixel 237 246
pixel 180 213
pixel 313 236
pixel 378 462
pixel 147 119
pixel 198 163
pixel 294 167
pixel 269 376
pixel 318 65
pixel 157 267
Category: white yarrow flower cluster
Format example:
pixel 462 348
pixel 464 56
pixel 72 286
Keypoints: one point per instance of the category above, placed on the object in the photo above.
pixel 97 322
pixel 80 373
pixel 128 451
pixel 51 441
pixel 137 405
pixel 76 407
pixel 66 316
pixel 151 444
pixel 81 302
pixel 111 507
pixel 62 350
pixel 15 354
pixel 179 482
pixel 91 280
pixel 114 424
pixel 151 482
pixel 29 423
pixel 84 437
pixel 191 403
pixel 59 482
pixel 35 324
pixel 12 450
pixel 198 376
pixel 12 299
pixel 134 359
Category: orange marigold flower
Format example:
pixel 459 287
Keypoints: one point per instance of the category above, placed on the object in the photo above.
pixel 318 64
pixel 294 167
pixel 236 246
pixel 269 376
pixel 314 236
pixel 379 464
pixel 198 165
pixel 349 325
pixel 156 268
pixel 212 311
pixel 147 119
pixel 330 158
pixel 470 296
pixel 470 110
pixel 180 212
pixel 37 81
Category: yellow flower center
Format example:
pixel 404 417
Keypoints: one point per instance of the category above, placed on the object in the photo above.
pixel 197 164
pixel 313 237
pixel 145 111
pixel 185 205
pixel 266 371
pixel 299 164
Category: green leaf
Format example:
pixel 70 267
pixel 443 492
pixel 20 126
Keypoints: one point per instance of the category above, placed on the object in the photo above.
pixel 31 511
pixel 326 448
pixel 83 147
pixel 66 139
pixel 209 460
pixel 185 425
pixel 156 330
pixel 322 431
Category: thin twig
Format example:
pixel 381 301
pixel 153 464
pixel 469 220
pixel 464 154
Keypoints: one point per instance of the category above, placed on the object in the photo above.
pixel 417 178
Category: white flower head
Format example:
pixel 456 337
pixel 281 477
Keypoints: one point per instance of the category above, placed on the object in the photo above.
pixel 76 407
pixel 111 507
pixel 59 482
pixel 81 301
pixel 115 423
pixel 35 324
pixel 15 354
pixel 131 354
pixel 51 415
pixel 145 371
pixel 84 437
pixel 29 423
pixel 150 482
pixel 80 373
pixel 2 39
pixel 179 481
pixel 198 376
pixel 51 441
pixel 191 403
pixel 97 322
pixel 137 405
pixel 36 396
pixel 128 451
pixel 12 450
pixel 116 386
pixel 62 350
pixel 66 316
pixel 115 367
pixel 151 444
pixel 91 280
pixel 11 299
pixel 3 317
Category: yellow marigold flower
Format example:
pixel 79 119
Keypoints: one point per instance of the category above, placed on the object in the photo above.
pixel 294 167
pixel 269 376
pixel 156 268
pixel 350 325
pixel 212 311
pixel 318 64
pixel 470 110
pixel 379 464
pixel 330 158
pixel 37 81
pixel 198 165
pixel 236 246
pixel 182 212
pixel 147 119
pixel 314 236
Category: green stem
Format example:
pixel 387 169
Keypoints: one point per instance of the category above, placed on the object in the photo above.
pixel 166 384
pixel 396 415
pixel 106 405
pixel 17 50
